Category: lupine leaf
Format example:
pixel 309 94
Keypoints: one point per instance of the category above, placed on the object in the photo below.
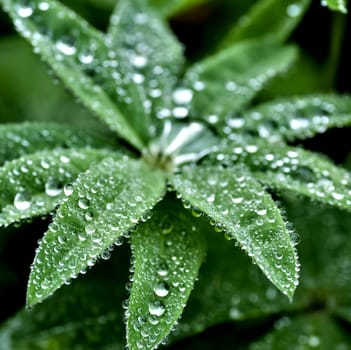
pixel 226 82
pixel 168 251
pixel 107 202
pixel 336 5
pixel 273 19
pixel 305 332
pixel 231 288
pixel 290 168
pixel 295 118
pixel 150 58
pixel 17 140
pixel 34 184
pixel 88 314
pixel 238 205
pixel 79 55
pixel 172 7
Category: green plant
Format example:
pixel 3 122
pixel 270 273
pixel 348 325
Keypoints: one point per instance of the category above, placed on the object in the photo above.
pixel 178 135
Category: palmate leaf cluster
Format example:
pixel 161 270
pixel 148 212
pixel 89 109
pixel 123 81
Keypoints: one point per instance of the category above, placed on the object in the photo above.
pixel 191 169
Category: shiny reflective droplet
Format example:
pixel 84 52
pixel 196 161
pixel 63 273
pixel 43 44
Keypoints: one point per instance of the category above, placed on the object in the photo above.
pixel 162 270
pixel 182 96
pixel 22 200
pixel 86 58
pixel 24 11
pixel 53 188
pixel 139 61
pixel 68 189
pixel 44 6
pixel 161 289
pixel 293 10
pixel 83 203
pixel 156 308
pixel 66 48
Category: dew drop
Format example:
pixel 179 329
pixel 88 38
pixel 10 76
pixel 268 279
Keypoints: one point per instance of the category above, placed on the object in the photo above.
pixel 293 10
pixel 162 270
pixel 180 112
pixel 139 61
pixel 44 6
pixel 237 200
pixel 161 289
pixel 86 58
pixel 261 212
pixel 313 341
pixel 182 96
pixel 53 188
pixel 68 189
pixel 22 200
pixel 25 11
pixel 156 308
pixel 83 203
pixel 66 48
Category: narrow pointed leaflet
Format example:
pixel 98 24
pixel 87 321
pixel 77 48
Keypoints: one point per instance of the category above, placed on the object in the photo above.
pixel 17 140
pixel 33 185
pixel 294 169
pixel 295 118
pixel 226 82
pixel 168 251
pixel 273 19
pixel 79 56
pixel 336 5
pixel 104 204
pixel 239 206
pixel 150 59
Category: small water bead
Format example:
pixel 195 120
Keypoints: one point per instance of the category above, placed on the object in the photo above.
pixel 161 289
pixel 180 112
pixel 66 48
pixel 313 341
pixel 83 203
pixel 182 96
pixel 138 78
pixel 44 6
pixel 86 58
pixel 25 11
pixel 53 188
pixel 261 212
pixel 139 61
pixel 90 229
pixel 156 308
pixel 68 189
pixel 163 270
pixel 293 10
pixel 22 201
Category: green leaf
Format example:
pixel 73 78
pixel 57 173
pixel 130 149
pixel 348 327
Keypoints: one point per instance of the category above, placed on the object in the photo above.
pixel 231 288
pixel 238 205
pixel 17 140
pixel 168 251
pixel 173 7
pixel 305 332
pixel 225 83
pixel 295 118
pixel 106 203
pixel 336 5
pixel 86 315
pixel 33 185
pixel 151 58
pixel 290 168
pixel 80 56
pixel 273 19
